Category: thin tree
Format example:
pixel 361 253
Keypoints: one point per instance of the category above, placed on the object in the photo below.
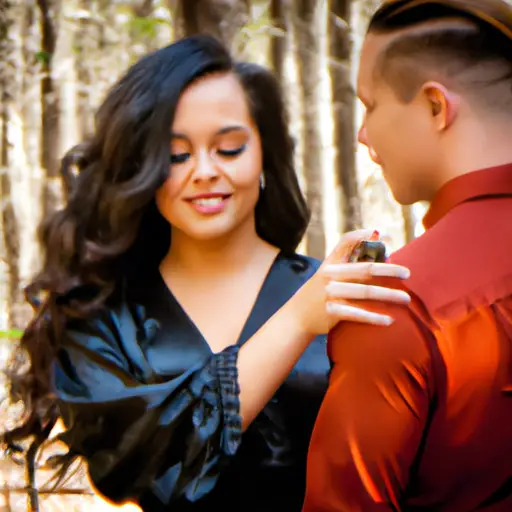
pixel 50 132
pixel 279 42
pixel 409 221
pixel 343 105
pixel 222 19
pixel 307 20
pixel 10 229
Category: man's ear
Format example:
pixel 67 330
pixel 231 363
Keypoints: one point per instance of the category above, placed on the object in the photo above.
pixel 443 104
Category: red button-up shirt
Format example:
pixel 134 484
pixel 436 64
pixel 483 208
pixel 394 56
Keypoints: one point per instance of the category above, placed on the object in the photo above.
pixel 418 416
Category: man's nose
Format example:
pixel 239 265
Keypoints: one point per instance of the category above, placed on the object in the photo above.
pixel 362 136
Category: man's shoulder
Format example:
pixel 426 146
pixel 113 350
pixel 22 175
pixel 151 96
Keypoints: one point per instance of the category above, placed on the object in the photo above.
pixel 406 340
pixel 421 253
pixel 461 256
pixel 409 337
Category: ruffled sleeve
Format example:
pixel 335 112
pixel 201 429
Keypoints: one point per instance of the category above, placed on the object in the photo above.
pixel 141 435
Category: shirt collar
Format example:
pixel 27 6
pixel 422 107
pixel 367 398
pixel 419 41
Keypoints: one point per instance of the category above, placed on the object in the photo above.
pixel 491 182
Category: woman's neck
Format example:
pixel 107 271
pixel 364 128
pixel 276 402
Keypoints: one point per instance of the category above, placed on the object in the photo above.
pixel 218 256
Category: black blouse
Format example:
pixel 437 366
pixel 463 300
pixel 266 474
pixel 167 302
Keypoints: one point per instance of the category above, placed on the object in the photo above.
pixel 156 414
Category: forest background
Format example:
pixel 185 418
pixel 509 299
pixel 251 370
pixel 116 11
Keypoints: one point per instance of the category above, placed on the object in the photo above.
pixel 57 60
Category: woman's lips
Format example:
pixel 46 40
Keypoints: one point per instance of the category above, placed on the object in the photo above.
pixel 210 204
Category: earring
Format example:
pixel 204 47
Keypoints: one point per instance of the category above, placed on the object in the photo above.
pixel 262 181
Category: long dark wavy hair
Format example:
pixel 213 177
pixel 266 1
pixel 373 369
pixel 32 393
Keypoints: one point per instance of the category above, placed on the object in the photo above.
pixel 110 222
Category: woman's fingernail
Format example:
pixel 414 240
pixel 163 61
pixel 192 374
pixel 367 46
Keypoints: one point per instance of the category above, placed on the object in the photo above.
pixel 404 273
pixel 404 297
pixel 387 320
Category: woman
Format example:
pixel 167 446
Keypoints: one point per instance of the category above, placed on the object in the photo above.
pixel 181 332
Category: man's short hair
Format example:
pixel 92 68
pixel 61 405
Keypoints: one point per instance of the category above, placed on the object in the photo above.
pixel 444 42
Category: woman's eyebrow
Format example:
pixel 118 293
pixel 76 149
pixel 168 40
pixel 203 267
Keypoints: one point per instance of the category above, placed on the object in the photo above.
pixel 175 135
pixel 232 128
pixel 222 131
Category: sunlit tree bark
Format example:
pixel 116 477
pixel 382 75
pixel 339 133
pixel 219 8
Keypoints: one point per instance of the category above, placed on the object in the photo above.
pixel 343 99
pixel 10 228
pixel 307 19
pixel 49 11
pixel 222 19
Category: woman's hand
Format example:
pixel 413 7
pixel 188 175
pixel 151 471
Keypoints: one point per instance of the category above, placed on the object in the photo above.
pixel 323 301
pixel 267 358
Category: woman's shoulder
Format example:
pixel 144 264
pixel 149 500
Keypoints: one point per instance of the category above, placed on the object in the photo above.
pixel 118 318
pixel 303 264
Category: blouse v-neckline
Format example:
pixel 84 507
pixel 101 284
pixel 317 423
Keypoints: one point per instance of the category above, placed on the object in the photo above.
pixel 252 322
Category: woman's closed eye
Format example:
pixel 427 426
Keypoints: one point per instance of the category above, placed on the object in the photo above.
pixel 179 158
pixel 182 157
pixel 231 153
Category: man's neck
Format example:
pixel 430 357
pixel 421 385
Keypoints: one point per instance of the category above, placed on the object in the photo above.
pixel 483 146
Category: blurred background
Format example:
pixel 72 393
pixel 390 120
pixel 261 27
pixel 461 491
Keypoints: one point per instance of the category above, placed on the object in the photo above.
pixel 58 58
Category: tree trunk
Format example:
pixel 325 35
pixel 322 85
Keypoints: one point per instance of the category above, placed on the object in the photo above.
pixel 10 229
pixel 6 501
pixel 50 133
pixel 282 46
pixel 309 70
pixel 343 99
pixel 26 175
pixel 409 223
pixel 85 45
pixel 279 45
pixel 222 19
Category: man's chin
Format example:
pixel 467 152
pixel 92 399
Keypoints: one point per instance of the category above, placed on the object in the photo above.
pixel 403 198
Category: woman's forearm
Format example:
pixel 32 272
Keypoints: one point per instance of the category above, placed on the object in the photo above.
pixel 332 295
pixel 268 357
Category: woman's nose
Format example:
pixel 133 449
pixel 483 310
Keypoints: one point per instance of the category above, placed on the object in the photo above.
pixel 206 168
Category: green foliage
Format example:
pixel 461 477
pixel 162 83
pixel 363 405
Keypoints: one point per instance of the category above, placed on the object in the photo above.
pixel 43 57
pixel 11 334
pixel 145 27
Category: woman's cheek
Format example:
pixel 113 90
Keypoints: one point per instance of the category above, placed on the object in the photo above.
pixel 171 188
pixel 166 196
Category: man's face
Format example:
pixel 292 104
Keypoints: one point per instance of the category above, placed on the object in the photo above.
pixel 401 136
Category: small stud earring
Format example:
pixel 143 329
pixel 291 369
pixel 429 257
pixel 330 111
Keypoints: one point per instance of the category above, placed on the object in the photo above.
pixel 262 181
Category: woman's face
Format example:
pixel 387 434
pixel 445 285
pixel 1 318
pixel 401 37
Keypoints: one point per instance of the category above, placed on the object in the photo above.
pixel 216 161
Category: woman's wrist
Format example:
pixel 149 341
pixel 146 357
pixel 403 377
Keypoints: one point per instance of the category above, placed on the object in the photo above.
pixel 303 314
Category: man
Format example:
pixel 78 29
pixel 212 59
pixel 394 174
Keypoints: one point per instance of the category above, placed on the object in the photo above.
pixel 418 416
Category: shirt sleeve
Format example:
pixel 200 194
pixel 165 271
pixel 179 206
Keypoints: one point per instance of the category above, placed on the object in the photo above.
pixel 373 417
pixel 141 436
